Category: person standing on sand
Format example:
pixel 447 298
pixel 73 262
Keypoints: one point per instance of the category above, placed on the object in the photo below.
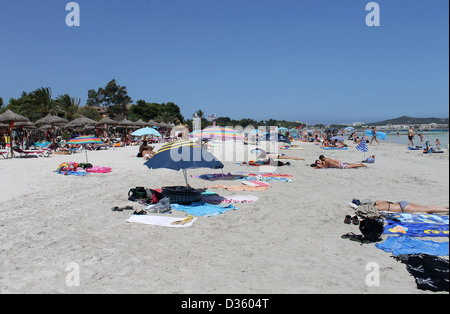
pixel 411 137
pixel 374 136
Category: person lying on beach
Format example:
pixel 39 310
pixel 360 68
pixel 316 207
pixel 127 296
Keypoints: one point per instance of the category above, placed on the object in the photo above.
pixel 265 155
pixel 323 162
pixel 407 207
pixel 264 162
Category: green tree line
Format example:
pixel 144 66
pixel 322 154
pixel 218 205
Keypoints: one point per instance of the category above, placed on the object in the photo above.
pixel 116 102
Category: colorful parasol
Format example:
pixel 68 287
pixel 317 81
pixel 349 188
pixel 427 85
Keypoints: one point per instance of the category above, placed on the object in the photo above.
pixel 84 140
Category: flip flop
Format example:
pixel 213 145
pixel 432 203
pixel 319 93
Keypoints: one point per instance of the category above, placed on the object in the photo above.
pixel 117 209
pixel 348 219
pixel 353 237
pixel 141 212
pixel 355 220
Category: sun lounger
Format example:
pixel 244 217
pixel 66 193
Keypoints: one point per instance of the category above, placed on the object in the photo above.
pixel 26 153
pixel 3 154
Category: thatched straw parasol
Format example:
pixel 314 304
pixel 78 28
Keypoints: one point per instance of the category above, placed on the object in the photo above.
pixel 126 123
pixel 107 121
pixel 53 121
pixel 45 127
pixel 10 117
pixel 140 123
pixel 81 122
pixel 26 125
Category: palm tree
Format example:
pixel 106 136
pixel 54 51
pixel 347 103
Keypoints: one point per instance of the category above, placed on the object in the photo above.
pixel 200 113
pixel 40 103
pixel 68 105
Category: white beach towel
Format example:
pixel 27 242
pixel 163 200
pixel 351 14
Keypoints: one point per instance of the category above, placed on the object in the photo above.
pixel 161 221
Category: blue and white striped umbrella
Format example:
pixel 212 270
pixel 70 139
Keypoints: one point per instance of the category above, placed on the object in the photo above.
pixel 362 147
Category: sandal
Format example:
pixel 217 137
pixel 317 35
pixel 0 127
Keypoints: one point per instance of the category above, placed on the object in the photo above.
pixel 353 237
pixel 348 219
pixel 141 212
pixel 355 220
pixel 117 209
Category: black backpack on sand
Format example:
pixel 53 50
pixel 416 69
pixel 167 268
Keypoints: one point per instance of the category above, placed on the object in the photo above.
pixel 371 229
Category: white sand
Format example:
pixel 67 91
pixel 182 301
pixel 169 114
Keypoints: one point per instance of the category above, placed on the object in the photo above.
pixel 287 242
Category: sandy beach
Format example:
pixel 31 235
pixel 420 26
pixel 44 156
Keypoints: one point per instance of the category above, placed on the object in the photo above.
pixel 288 242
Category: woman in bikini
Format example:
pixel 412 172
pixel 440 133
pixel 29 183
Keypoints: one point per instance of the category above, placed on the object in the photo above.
pixel 407 207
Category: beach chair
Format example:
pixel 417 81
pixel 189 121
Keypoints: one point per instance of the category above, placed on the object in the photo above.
pixel 3 154
pixel 26 153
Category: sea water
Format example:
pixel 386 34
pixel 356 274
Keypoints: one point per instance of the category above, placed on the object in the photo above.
pixel 430 136
pixel 402 138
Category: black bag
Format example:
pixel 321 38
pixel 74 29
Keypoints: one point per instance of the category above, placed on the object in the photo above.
pixel 137 193
pixel 371 229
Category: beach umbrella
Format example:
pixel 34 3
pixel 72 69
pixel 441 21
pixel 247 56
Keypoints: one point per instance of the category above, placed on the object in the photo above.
pixel 362 147
pixel 183 155
pixel 349 128
pixel 107 121
pixel 81 122
pixel 53 121
pixel 126 123
pixel 153 123
pixel 45 127
pixel 10 118
pixel 140 123
pixel 146 131
pixel 25 125
pixel 218 132
pixel 282 130
pixel 84 140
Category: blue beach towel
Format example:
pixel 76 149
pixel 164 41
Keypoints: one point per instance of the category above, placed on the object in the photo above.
pixel 417 229
pixel 424 218
pixel 408 245
pixel 335 148
pixel 203 209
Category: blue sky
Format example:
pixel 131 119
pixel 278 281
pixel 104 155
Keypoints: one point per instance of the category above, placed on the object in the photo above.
pixel 313 60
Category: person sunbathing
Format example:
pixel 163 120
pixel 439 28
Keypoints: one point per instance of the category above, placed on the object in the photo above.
pixel 265 155
pixel 323 162
pixel 407 207
pixel 146 151
pixel 264 162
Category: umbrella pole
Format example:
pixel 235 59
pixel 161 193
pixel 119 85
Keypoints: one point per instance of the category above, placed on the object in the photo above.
pixel 85 150
pixel 10 140
pixel 185 177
